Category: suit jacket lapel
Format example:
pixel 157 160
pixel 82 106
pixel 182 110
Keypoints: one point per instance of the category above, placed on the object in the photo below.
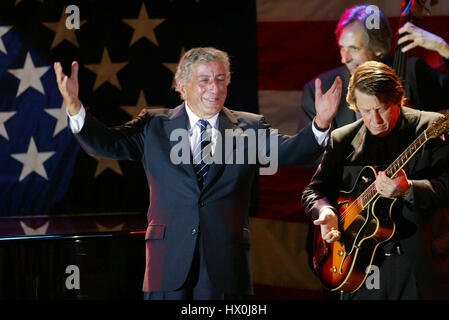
pixel 358 144
pixel 178 119
pixel 226 121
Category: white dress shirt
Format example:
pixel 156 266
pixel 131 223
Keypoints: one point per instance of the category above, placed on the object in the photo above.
pixel 76 123
pixel 194 129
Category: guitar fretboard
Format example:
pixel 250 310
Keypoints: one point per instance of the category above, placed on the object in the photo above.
pixel 371 193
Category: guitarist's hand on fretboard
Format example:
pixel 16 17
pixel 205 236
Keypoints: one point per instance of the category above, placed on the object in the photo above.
pixel 328 222
pixel 399 186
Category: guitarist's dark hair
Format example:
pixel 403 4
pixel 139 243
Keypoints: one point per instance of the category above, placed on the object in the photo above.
pixel 376 79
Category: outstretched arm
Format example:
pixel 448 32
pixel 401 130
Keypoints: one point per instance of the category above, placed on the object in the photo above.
pixel 123 142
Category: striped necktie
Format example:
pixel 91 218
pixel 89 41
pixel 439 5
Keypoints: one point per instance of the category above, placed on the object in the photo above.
pixel 201 153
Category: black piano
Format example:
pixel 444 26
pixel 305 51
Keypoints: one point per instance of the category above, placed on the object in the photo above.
pixel 76 257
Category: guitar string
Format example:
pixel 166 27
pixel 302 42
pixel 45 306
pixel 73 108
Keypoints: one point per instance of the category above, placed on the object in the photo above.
pixel 417 144
pixel 368 191
pixel 395 167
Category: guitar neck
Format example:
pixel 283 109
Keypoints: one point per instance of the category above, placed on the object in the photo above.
pixel 370 193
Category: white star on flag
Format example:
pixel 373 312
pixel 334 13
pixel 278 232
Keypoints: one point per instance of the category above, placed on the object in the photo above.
pixel 102 228
pixel 29 76
pixel 33 161
pixel 34 231
pixel 3 30
pixel 61 118
pixel 4 116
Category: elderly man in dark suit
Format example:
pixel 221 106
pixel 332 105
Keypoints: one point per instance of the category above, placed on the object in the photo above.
pixel 386 129
pixel 198 238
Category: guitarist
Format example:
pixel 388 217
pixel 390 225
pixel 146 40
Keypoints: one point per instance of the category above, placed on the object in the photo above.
pixel 385 129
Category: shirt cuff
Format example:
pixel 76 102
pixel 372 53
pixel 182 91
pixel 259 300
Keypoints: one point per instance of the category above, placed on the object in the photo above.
pixel 76 122
pixel 322 137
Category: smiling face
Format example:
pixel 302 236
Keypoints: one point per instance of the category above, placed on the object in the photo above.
pixel 379 118
pixel 353 44
pixel 205 92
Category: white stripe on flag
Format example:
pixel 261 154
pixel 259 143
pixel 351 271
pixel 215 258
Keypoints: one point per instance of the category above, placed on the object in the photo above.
pixel 282 109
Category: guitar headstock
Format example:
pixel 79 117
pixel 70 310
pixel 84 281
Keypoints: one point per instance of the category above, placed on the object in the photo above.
pixel 438 127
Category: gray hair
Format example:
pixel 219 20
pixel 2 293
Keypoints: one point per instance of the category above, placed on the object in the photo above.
pixel 196 56
pixel 378 39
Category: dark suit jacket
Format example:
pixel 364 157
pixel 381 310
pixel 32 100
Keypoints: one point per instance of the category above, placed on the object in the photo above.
pixel 352 147
pixel 179 208
pixel 426 89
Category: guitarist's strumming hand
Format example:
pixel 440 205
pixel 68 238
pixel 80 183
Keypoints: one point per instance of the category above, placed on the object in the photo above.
pixel 328 222
pixel 399 186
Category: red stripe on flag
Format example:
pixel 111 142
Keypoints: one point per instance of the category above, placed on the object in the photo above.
pixel 291 53
pixel 280 194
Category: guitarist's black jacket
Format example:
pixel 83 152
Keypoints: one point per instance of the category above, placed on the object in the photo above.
pixel 352 147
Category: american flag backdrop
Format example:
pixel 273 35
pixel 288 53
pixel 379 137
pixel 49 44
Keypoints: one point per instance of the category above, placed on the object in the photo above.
pixel 128 52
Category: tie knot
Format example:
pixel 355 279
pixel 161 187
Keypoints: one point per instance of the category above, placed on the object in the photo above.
pixel 203 124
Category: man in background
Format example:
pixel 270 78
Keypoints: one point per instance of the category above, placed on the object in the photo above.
pixel 425 88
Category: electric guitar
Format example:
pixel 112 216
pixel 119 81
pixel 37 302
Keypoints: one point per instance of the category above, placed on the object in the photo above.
pixel 365 221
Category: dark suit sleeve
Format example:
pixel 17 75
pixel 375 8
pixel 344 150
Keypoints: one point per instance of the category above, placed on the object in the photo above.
pixel 297 150
pixel 322 191
pixel 123 142
pixel 430 179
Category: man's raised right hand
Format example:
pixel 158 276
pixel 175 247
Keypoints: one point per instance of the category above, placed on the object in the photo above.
pixel 69 87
